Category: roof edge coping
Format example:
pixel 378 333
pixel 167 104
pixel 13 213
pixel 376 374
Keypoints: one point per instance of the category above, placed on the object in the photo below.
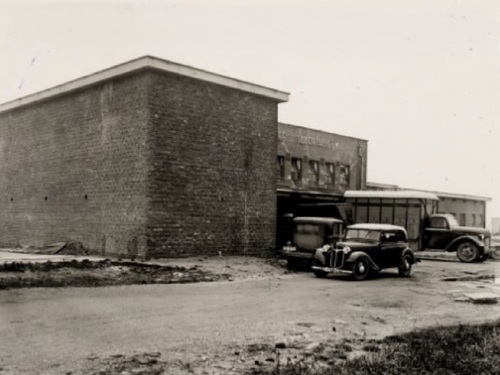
pixel 145 62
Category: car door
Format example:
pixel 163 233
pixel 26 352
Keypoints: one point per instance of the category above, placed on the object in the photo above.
pixel 390 249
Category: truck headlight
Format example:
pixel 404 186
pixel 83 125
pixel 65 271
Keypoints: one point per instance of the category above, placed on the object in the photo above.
pixel 346 250
pixel 326 247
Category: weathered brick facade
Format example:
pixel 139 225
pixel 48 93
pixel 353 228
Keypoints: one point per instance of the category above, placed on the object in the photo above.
pixel 330 163
pixel 148 163
pixel 74 168
pixel 212 184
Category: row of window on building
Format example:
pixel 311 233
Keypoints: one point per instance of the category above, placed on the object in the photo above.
pixel 314 170
pixel 476 220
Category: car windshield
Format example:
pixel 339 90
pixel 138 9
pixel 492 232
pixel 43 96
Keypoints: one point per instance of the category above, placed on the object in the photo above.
pixel 363 234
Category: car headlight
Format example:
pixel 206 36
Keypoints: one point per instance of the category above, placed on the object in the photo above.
pixel 346 250
pixel 481 237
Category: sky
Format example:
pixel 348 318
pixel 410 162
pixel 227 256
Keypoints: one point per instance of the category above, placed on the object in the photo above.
pixel 418 79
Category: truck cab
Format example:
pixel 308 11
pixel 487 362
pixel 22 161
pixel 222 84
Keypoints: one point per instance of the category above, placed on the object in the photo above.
pixel 442 232
pixel 310 233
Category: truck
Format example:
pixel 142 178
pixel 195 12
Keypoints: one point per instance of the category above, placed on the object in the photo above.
pixel 308 234
pixel 310 226
pixel 427 229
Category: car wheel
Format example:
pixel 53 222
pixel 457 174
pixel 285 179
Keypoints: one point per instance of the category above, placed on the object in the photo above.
pixel 318 273
pixel 467 252
pixel 361 269
pixel 404 267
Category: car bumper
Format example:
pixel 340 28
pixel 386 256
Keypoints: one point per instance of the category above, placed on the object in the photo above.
pixel 331 270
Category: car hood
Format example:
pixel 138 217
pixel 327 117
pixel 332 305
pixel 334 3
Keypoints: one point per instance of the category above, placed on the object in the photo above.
pixel 471 230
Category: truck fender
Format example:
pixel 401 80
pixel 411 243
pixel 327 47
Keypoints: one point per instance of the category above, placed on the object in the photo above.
pixel 453 244
pixel 411 254
pixel 358 254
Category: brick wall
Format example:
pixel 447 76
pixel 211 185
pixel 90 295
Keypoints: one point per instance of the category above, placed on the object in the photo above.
pixel 213 183
pixel 329 151
pixel 73 168
pixel 151 163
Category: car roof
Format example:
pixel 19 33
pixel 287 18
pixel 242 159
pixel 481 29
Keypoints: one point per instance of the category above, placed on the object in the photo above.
pixel 376 226
pixel 316 220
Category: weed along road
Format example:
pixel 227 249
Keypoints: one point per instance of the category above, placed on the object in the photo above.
pixel 57 330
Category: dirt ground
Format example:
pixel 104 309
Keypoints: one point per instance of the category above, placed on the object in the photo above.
pixel 265 315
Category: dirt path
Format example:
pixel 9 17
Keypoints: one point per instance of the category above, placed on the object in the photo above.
pixel 225 325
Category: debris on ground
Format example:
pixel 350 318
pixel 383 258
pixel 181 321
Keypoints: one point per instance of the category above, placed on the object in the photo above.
pixel 143 364
pixel 86 273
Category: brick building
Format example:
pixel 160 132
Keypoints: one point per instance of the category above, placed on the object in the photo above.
pixel 147 158
pixel 469 210
pixel 316 166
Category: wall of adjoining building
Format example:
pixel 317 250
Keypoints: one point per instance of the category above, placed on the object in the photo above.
pixel 468 212
pixel 329 162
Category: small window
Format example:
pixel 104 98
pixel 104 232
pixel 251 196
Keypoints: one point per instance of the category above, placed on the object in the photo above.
pixel 344 175
pixel 438 222
pixel 473 219
pixel 314 170
pixel 296 169
pixel 281 167
pixel 481 220
pixel 462 220
pixel 330 168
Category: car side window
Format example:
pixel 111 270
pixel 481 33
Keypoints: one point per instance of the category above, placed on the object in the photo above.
pixel 389 237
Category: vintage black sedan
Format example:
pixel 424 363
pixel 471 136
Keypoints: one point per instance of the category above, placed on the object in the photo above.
pixel 365 250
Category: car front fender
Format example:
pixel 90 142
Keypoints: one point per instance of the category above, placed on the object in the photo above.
pixel 361 254
pixel 411 254
pixel 319 255
pixel 453 244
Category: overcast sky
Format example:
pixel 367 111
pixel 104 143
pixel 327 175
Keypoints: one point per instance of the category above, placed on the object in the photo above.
pixel 419 79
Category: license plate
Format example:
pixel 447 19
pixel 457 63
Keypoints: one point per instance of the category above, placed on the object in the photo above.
pixel 289 248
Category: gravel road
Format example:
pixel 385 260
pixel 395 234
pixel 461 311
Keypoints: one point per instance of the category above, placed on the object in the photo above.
pixel 56 331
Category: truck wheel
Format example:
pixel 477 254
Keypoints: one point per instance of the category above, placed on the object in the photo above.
pixel 467 252
pixel 360 269
pixel 404 268
pixel 292 265
pixel 483 257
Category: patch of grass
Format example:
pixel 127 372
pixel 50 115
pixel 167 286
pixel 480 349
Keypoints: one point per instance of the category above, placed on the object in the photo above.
pixel 457 350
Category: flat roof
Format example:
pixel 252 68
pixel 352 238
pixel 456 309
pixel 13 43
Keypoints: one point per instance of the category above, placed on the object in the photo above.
pixel 438 193
pixel 392 194
pixel 316 220
pixel 376 226
pixel 459 196
pixel 141 63
pixel 322 131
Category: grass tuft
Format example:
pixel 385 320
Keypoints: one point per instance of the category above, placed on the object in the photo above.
pixel 457 350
